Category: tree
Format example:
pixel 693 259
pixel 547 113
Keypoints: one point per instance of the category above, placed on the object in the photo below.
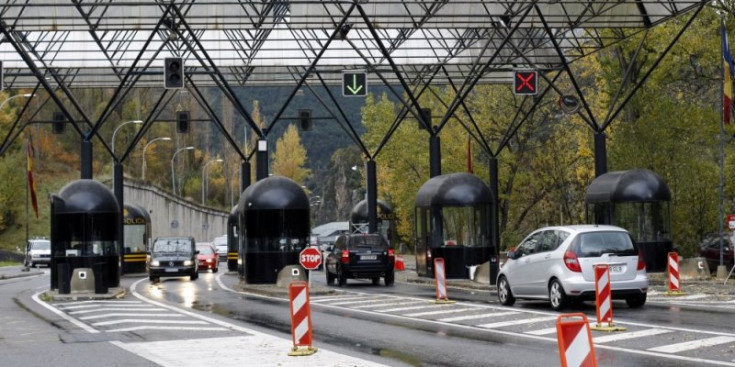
pixel 290 156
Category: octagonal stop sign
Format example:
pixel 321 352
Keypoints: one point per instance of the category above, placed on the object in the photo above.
pixel 310 258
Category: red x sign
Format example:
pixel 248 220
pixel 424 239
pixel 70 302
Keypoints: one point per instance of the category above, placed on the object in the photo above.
pixel 525 82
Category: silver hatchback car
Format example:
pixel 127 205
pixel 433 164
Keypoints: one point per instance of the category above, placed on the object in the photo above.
pixel 557 264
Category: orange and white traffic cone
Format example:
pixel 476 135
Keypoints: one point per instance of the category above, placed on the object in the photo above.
pixel 575 341
pixel 300 319
pixel 440 280
pixel 603 300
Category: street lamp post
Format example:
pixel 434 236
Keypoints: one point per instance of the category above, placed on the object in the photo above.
pixel 26 95
pixel 146 147
pixel 204 177
pixel 173 173
pixel 115 132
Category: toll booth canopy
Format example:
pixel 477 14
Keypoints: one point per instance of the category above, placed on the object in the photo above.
pixel 137 238
pixel 453 222
pixel 274 228
pixel 84 234
pixel 232 242
pixel 637 200
pixel 387 220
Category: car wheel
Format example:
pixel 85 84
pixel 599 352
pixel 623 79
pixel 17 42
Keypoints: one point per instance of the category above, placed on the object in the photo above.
pixel 215 270
pixel 557 297
pixel 505 296
pixel 390 278
pixel 153 279
pixel 636 301
pixel 376 281
pixel 194 275
pixel 330 278
pixel 341 278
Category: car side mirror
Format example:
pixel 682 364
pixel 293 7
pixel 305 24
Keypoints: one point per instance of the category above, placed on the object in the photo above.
pixel 196 252
pixel 511 254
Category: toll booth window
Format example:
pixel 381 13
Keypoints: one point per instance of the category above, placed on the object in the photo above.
pixel 646 222
pixel 135 238
pixel 85 235
pixel 464 226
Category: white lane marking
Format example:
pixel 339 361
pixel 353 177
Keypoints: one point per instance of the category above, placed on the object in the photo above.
pixel 694 344
pixel 148 309
pixel 479 316
pixel 64 315
pixel 138 328
pixel 509 333
pixel 402 303
pixel 534 320
pixel 144 321
pixel 630 335
pixel 92 306
pixel 410 308
pixel 547 331
pixel 122 314
pixel 694 296
pixel 83 303
pixel 350 303
pixel 440 312
pixel 335 298
pixel 234 351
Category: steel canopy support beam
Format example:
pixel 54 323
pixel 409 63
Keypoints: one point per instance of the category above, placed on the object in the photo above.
pixel 221 81
pixel 494 220
pixel 435 156
pixel 372 195
pixel 244 175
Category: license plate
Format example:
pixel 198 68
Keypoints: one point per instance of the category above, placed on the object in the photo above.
pixel 171 270
pixel 368 257
pixel 616 269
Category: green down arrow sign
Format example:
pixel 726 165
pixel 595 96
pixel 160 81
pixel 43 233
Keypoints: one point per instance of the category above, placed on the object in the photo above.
pixel 354 83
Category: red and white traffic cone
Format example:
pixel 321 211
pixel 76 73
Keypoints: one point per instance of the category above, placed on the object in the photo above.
pixel 603 300
pixel 440 280
pixel 300 319
pixel 575 341
pixel 674 280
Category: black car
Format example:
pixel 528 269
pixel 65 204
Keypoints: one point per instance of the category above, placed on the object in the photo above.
pixel 360 256
pixel 710 250
pixel 173 257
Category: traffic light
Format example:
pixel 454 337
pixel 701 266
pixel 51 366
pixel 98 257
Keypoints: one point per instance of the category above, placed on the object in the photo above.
pixel 173 73
pixel 59 122
pixel 305 119
pixel 426 116
pixel 182 122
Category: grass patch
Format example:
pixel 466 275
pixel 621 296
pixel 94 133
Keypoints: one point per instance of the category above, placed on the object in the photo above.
pixel 9 263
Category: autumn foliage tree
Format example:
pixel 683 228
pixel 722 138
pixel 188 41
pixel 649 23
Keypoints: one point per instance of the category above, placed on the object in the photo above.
pixel 290 156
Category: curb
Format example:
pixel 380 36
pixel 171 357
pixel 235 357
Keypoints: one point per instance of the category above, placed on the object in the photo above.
pixel 113 293
pixel 13 276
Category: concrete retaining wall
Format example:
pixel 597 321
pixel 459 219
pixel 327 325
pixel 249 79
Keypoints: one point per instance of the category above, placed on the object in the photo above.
pixel 173 216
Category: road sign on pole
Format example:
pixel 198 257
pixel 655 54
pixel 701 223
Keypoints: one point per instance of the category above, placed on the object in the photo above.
pixel 354 83
pixel 310 258
pixel 525 82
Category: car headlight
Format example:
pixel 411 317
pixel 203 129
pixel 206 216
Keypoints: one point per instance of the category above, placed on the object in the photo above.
pixel 209 260
pixel 239 261
pixel 188 262
pixel 155 263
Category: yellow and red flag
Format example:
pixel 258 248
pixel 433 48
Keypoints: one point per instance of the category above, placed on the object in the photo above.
pixel 727 73
pixel 31 183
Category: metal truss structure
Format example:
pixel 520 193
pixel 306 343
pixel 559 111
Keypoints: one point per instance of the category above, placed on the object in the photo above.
pixel 408 45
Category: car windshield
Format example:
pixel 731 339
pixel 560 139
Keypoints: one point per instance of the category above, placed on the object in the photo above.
pixel 368 242
pixel 205 250
pixel 41 245
pixel 173 246
pixel 595 244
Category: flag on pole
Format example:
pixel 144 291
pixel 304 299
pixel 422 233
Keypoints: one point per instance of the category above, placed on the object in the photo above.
pixel 727 72
pixel 469 154
pixel 31 184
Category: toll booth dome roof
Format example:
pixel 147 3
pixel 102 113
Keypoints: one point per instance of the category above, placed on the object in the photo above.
pixel 87 196
pixel 274 193
pixel 136 211
pixel 637 185
pixel 455 189
pixel 359 213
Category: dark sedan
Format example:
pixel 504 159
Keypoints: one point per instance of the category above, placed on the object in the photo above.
pixel 360 256
pixel 710 250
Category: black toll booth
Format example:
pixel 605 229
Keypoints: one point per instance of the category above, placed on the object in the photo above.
pixel 84 234
pixel 637 200
pixel 137 238
pixel 453 222
pixel 274 228
pixel 232 243
pixel 387 220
